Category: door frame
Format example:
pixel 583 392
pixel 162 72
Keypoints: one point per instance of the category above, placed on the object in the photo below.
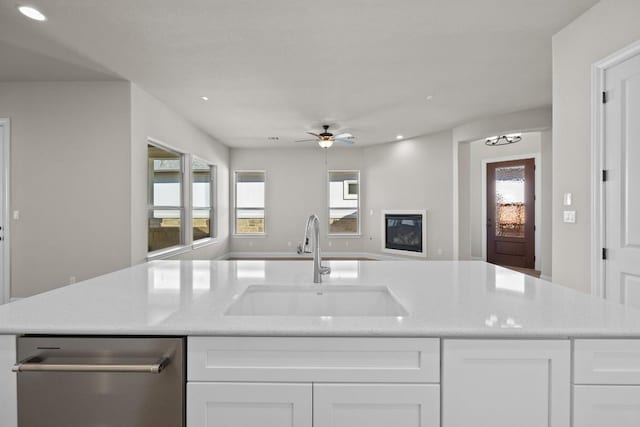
pixel 5 286
pixel 537 204
pixel 598 228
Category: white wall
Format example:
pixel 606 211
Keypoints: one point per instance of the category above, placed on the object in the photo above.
pixel 150 118
pixel 411 174
pixel 296 186
pixel 607 27
pixel 480 152
pixel 69 180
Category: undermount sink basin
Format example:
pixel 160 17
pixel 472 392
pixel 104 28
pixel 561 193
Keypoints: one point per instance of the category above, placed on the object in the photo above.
pixel 316 300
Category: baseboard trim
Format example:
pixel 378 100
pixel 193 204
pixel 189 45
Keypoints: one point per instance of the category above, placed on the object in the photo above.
pixel 547 278
pixel 377 257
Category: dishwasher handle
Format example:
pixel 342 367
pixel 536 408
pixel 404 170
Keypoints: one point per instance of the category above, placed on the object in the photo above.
pixel 35 365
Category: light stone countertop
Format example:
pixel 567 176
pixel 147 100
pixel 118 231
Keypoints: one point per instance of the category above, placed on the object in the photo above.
pixel 443 298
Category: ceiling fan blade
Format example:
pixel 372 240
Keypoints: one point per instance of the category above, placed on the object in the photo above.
pixel 345 135
pixel 314 134
pixel 306 140
pixel 344 142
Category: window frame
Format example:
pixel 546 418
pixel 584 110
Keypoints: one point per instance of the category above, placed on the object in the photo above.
pixel 235 203
pixel 358 233
pixel 151 207
pixel 213 217
pixel 186 218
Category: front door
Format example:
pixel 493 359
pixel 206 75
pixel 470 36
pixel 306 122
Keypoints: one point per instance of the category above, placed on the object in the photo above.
pixel 622 187
pixel 510 213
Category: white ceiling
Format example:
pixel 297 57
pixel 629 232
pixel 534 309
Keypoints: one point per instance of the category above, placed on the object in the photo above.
pixel 283 67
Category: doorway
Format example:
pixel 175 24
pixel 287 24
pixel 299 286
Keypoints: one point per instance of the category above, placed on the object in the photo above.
pixel 511 213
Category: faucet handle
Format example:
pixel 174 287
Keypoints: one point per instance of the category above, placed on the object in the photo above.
pixel 325 270
pixel 300 249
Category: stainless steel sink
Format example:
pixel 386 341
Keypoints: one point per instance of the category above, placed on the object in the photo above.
pixel 316 300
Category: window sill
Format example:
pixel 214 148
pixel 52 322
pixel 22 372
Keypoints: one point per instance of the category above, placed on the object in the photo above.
pixel 344 236
pixel 169 252
pixel 249 236
pixel 204 242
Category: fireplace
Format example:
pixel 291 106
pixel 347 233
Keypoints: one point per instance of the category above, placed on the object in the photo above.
pixel 404 232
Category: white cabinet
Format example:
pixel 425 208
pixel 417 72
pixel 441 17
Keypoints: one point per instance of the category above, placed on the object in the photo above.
pixel 376 405
pixel 317 359
pixel 607 377
pixel 605 361
pixel 506 383
pixel 598 406
pixel 248 404
pixel 324 382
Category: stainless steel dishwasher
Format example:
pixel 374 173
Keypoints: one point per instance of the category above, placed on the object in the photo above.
pixel 100 382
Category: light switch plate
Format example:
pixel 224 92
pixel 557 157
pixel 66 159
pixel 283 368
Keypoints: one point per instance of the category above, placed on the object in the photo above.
pixel 568 199
pixel 569 217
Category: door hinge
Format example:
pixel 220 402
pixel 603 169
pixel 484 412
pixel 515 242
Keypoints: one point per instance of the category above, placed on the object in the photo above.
pixel 605 175
pixel 605 98
pixel 604 253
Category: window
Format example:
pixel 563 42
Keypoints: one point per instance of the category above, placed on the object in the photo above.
pixel 165 212
pixel 344 202
pixel 249 202
pixel 202 196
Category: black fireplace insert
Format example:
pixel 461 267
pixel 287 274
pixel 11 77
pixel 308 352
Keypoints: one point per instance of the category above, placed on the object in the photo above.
pixel 403 232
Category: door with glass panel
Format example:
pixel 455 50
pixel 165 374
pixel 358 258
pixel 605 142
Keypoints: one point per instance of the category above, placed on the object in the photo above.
pixel 510 213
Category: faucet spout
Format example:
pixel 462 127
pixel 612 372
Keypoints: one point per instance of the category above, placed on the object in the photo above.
pixel 313 224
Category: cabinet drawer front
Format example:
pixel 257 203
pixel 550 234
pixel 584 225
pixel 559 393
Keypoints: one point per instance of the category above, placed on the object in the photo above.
pixel 607 362
pixel 376 405
pixel 247 404
pixel 597 406
pixel 412 360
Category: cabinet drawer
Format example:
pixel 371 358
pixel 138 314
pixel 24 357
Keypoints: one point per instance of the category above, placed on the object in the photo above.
pixel 597 406
pixel 406 360
pixel 607 362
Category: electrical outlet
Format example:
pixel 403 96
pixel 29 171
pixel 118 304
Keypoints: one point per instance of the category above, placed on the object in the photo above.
pixel 569 217
pixel 16 215
pixel 72 280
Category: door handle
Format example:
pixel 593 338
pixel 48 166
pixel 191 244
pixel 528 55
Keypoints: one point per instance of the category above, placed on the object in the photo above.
pixel 35 365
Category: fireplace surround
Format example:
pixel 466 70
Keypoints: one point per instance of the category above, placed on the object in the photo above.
pixel 404 232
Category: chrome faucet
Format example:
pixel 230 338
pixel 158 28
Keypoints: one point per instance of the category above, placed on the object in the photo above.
pixel 305 248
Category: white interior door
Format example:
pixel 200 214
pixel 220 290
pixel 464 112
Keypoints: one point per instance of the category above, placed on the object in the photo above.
pixel 622 188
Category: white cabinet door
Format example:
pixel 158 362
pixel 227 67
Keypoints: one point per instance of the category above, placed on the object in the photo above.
pixel 376 405
pixel 506 383
pixel 8 398
pixel 248 405
pixel 597 406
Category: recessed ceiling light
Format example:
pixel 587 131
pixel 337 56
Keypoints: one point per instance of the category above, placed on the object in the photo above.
pixel 399 136
pixel 32 12
pixel 204 98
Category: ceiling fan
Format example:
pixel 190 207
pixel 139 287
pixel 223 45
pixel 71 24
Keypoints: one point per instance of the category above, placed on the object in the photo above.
pixel 326 139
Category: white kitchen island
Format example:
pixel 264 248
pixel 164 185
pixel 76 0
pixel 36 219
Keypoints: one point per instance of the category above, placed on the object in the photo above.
pixel 476 345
